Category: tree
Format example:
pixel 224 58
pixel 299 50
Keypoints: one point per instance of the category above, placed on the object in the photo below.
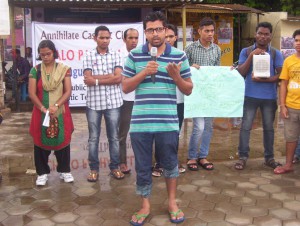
pixel 290 6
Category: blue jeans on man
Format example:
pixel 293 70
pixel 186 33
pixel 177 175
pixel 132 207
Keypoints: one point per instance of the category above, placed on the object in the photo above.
pixel 166 144
pixel 268 109
pixel 297 153
pixel 112 118
pixel 202 129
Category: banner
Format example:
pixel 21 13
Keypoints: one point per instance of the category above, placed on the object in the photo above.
pixel 72 41
pixel 4 18
pixel 217 92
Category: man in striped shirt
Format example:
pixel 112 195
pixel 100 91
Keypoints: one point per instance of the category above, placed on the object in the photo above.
pixel 102 75
pixel 154 116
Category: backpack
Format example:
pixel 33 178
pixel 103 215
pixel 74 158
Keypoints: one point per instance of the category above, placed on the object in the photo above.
pixel 10 78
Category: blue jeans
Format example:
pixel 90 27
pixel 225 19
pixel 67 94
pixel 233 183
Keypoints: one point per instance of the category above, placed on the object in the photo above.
pixel 202 129
pixel 297 151
pixel 112 118
pixel 166 147
pixel 268 110
pixel 206 137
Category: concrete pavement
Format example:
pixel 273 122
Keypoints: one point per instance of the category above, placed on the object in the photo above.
pixel 224 196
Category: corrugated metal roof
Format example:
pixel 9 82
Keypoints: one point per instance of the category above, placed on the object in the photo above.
pixel 101 3
pixel 176 5
pixel 293 18
pixel 218 8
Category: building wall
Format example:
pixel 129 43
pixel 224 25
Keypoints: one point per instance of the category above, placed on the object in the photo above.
pixel 283 28
pixel 288 27
pixel 274 18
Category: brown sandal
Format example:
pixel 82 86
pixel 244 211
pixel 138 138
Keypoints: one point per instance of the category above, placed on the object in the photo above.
pixel 93 177
pixel 117 174
pixel 240 164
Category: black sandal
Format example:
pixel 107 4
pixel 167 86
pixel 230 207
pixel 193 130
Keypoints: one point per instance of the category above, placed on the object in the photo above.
pixel 205 165
pixel 192 166
pixel 271 163
pixel 157 171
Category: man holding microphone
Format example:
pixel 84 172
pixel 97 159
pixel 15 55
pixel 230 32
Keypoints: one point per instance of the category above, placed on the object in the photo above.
pixel 154 117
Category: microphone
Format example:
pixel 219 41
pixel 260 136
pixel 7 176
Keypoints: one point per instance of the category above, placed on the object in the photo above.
pixel 153 53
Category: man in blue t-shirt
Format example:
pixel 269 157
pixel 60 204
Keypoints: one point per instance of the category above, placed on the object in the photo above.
pixel 259 93
pixel 154 116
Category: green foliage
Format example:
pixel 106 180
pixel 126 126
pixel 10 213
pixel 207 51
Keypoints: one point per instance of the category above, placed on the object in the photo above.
pixel 290 6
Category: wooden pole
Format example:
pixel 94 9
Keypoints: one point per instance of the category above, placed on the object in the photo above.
pixel 183 15
pixel 13 43
pixel 184 27
pixel 239 32
pixel 2 77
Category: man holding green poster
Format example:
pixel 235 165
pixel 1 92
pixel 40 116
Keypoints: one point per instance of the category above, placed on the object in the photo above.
pixel 202 53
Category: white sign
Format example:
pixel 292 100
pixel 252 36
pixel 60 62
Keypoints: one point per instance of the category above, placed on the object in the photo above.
pixel 4 18
pixel 261 66
pixel 72 41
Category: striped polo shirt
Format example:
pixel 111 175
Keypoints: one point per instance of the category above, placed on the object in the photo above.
pixel 154 108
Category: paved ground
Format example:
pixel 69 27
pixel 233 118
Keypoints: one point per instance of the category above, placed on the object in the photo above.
pixel 224 196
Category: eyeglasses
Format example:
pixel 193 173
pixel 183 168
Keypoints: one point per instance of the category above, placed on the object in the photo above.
pixel 170 36
pixel 45 55
pixel 158 30
pixel 263 34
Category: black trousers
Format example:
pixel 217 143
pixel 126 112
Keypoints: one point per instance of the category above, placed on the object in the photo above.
pixel 125 117
pixel 180 113
pixel 41 157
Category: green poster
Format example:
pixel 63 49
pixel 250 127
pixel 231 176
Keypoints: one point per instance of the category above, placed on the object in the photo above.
pixel 217 92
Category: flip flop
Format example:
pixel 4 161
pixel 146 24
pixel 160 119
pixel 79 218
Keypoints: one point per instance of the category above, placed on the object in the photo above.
pixel 282 170
pixel 138 217
pixel 175 214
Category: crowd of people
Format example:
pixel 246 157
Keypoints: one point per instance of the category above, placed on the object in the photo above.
pixel 144 97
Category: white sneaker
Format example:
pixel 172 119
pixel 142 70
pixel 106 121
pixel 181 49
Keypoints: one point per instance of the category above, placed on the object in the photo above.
pixel 67 177
pixel 41 180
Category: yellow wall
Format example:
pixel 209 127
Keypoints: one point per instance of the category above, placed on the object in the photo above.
pixel 193 19
pixel 226 47
pixel 288 27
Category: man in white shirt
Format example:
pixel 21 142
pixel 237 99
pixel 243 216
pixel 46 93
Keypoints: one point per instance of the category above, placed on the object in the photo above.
pixel 130 38
pixel 102 74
